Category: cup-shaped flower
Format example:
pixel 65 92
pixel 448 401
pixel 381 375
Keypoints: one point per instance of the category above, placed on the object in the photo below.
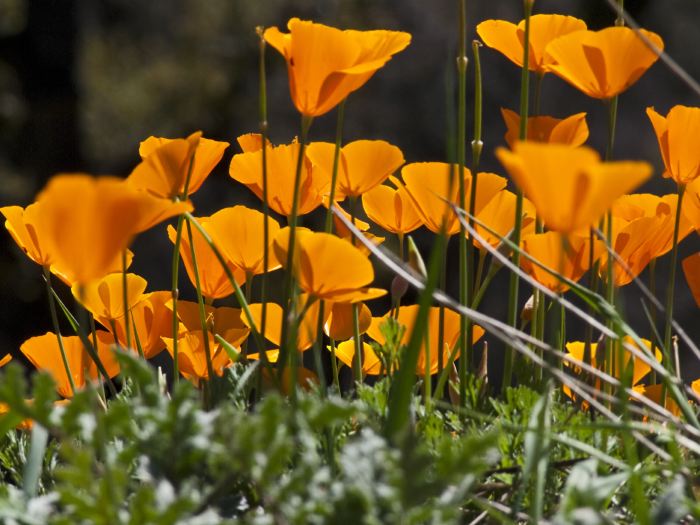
pixel 326 64
pixel 509 38
pixel 691 269
pixel 328 267
pixel 603 64
pixel 170 164
pixel 643 238
pixel 677 134
pixel 307 329
pixel 363 165
pixel 339 325
pixel 21 223
pixel 247 168
pixel 213 281
pixel 570 259
pixel 191 355
pixel 432 186
pixel 150 319
pixel 44 353
pixel 104 297
pixel 571 130
pixel 450 330
pixel 86 223
pixel 392 209
pixel 223 320
pixel 371 364
pixel 570 187
pixel 498 219
pixel 239 233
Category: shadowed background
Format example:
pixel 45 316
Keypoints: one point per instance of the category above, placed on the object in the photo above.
pixel 83 82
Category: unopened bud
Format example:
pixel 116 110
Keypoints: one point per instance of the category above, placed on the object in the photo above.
pixel 415 261
pixel 528 311
pixel 399 287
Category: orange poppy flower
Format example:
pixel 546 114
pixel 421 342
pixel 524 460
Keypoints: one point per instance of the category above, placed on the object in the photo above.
pixel 191 355
pixel 571 130
pixel 213 281
pixel 104 297
pixel 428 185
pixel 371 364
pixel 86 223
pixel 691 269
pixel 166 164
pixel 251 142
pixel 223 320
pixel 308 327
pixel 5 360
pixel 363 165
pixel 547 249
pixel 576 350
pixel 150 320
pixel 326 64
pixel 570 187
pixel 602 64
pixel 677 134
pixel 644 238
pixel 328 267
pixel 407 316
pixel 339 325
pixel 499 216
pixel 281 161
pixel 391 209
pixel 239 233
pixel 44 353
pixel 509 39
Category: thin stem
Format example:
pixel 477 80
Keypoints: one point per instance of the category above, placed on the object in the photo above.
pixel 514 279
pixel 336 164
pixel 462 62
pixel 200 304
pixel 672 277
pixel 316 349
pixel 334 366
pixel 57 328
pixel 125 298
pixel 175 294
pixel 288 345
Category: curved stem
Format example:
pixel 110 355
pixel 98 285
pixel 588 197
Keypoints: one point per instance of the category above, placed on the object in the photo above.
pixel 336 164
pixel 57 328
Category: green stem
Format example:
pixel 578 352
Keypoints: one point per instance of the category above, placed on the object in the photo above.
pixel 125 298
pixel 672 277
pixel 334 366
pixel 336 163
pixel 200 304
pixel 288 348
pixel 462 61
pixel 316 349
pixel 514 279
pixel 653 313
pixel 57 328
pixel 175 294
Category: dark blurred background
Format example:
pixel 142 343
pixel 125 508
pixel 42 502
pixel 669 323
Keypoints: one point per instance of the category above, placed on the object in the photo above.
pixel 83 82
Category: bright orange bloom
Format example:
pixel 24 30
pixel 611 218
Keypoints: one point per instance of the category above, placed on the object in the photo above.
pixel 339 325
pixel 328 267
pixel 644 237
pixel 167 163
pixel 191 355
pixel 239 233
pixel 509 39
pixel 407 316
pixel 104 297
pixel 391 209
pixel 691 269
pixel 371 364
pixel 677 135
pixel 499 215
pixel 428 185
pixel 363 165
pixel 602 64
pixel 86 223
pixel 281 160
pixel 213 281
pixel 570 187
pixel 224 321
pixel 571 130
pixel 577 349
pixel 326 64
pixel 308 327
pixel 547 248
pixel 150 320
pixel 5 360
pixel 251 142
pixel 44 353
